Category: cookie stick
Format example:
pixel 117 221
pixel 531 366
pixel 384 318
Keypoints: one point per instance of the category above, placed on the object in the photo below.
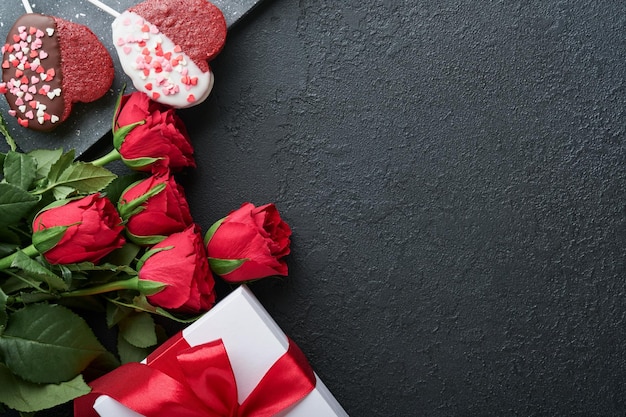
pixel 103 7
pixel 164 47
pixel 27 7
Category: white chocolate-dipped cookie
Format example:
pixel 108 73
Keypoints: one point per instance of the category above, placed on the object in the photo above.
pixel 164 47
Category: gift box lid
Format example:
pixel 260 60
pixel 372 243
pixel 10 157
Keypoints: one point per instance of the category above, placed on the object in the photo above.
pixel 254 342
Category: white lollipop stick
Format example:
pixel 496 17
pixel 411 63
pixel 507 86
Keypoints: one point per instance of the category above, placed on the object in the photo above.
pixel 103 7
pixel 27 6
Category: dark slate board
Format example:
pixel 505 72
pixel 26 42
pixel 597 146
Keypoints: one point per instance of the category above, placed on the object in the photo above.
pixel 88 123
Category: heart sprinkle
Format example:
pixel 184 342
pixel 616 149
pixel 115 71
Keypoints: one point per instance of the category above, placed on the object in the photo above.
pixel 27 81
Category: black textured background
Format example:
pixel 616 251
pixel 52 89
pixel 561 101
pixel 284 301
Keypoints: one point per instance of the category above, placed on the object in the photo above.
pixel 454 175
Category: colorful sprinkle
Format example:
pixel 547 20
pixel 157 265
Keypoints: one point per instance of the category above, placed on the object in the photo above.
pixel 26 54
pixel 157 65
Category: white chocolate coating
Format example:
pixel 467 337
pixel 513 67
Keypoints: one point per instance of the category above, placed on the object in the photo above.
pixel 156 65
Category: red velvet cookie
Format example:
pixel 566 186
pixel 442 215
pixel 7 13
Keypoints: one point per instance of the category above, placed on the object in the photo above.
pixel 197 26
pixel 164 47
pixel 49 64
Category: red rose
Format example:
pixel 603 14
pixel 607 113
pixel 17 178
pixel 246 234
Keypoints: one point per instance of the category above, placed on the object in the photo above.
pixel 154 208
pixel 249 244
pixel 150 136
pixel 180 262
pixel 80 230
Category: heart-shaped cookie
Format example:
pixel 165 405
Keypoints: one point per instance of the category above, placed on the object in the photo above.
pixel 57 63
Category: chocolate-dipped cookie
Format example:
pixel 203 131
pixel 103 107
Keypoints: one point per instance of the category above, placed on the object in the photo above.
pixel 48 64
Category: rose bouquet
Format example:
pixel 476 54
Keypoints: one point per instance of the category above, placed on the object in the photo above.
pixel 79 243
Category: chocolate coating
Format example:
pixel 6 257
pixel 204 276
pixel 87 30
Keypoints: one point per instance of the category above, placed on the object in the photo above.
pixel 48 64
pixel 32 78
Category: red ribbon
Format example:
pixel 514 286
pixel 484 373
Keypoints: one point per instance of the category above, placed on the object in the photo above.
pixel 184 381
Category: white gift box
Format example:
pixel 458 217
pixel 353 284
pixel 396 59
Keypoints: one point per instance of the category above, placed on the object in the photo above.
pixel 254 342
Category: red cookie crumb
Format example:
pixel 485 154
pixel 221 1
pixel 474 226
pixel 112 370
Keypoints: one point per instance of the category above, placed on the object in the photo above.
pixel 86 64
pixel 197 26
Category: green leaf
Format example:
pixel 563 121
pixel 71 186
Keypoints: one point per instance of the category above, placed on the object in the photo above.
pixel 8 248
pixel 114 190
pixel 115 313
pixel 85 177
pixel 62 192
pixel 89 266
pixel 20 169
pixel 81 176
pixel 29 397
pixel 138 330
pixel 66 273
pixel 15 284
pixel 130 353
pixel 87 274
pixel 45 159
pixel 15 203
pixel 35 297
pixel 4 130
pixel 38 272
pixel 124 255
pixel 60 165
pixel 9 236
pixel 225 266
pixel 52 332
pixel 3 310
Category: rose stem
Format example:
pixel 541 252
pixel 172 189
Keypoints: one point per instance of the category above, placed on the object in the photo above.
pixel 127 284
pixel 5 262
pixel 134 283
pixel 114 155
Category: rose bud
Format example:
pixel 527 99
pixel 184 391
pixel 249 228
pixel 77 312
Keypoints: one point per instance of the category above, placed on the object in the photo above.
pixel 249 244
pixel 150 136
pixel 82 230
pixel 180 262
pixel 153 209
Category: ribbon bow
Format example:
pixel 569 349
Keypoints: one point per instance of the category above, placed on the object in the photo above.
pixel 198 381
